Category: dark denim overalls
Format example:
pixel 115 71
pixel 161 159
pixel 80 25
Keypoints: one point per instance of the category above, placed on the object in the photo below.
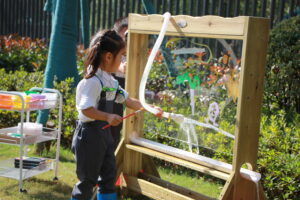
pixel 94 151
pixel 118 109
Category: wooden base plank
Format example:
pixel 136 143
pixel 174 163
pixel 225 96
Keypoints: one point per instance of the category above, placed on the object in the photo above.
pixel 152 190
pixel 173 187
pixel 178 161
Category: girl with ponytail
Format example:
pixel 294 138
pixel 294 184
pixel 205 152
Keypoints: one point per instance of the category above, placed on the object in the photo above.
pixel 96 94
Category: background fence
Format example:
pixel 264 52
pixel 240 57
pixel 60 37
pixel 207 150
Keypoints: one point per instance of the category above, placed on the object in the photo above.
pixel 27 18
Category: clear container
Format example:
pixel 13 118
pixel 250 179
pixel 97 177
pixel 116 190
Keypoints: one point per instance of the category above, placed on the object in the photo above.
pixel 30 128
pixel 6 101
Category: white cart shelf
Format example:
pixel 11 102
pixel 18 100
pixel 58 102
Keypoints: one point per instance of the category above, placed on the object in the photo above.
pixel 7 168
pixel 47 134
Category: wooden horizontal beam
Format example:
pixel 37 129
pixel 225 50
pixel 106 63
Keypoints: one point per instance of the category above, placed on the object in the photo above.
pixel 173 187
pixel 205 25
pixel 152 190
pixel 198 35
pixel 179 161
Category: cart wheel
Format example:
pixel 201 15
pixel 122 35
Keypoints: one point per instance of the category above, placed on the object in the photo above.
pixel 55 179
pixel 23 190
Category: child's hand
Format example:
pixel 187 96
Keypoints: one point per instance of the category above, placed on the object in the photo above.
pixel 114 119
pixel 159 111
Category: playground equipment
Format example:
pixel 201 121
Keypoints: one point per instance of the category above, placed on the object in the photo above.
pixel 240 183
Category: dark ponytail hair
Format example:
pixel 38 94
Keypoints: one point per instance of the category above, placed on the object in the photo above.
pixel 103 42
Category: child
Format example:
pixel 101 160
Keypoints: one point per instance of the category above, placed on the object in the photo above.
pixel 93 146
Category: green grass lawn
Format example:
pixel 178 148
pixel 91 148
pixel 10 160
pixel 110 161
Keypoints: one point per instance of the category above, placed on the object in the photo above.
pixel 42 187
pixel 199 184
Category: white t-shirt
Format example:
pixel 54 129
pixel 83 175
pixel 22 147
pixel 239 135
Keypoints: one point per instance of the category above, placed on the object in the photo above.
pixel 88 92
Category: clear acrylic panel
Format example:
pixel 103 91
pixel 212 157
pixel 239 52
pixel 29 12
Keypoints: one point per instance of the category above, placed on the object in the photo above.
pixel 198 78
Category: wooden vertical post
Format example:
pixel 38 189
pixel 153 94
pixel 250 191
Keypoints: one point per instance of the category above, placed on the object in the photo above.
pixel 137 57
pixel 249 108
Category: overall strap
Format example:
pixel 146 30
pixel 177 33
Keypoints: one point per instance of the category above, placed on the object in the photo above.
pixel 104 104
pixel 102 94
pixel 118 91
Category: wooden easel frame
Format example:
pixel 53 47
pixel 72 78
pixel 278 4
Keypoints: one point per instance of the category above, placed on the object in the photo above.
pixel 254 33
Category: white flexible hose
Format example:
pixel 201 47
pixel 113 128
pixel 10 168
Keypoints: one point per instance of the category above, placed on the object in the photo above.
pixel 176 117
pixel 153 53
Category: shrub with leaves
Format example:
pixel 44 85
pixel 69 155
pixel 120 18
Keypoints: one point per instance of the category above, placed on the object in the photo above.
pixel 283 67
pixel 278 159
pixel 22 52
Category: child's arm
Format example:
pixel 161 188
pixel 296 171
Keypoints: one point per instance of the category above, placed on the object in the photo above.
pixel 93 113
pixel 135 104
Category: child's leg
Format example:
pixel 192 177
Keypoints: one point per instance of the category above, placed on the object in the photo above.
pixel 89 147
pixel 108 172
pixel 116 134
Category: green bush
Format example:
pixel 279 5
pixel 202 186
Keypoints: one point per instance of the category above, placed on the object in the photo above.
pixel 22 52
pixel 279 145
pixel 283 68
pixel 278 156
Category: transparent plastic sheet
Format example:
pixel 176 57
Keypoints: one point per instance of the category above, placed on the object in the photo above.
pixel 203 87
